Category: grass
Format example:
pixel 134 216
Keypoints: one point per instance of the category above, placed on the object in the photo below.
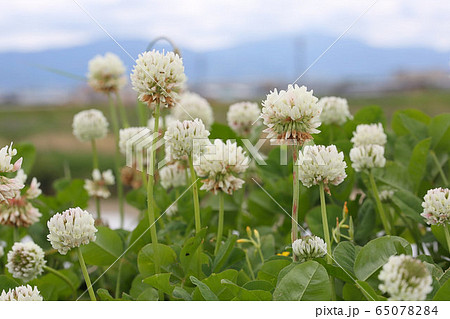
pixel 50 130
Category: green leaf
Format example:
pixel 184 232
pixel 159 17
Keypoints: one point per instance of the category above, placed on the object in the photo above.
pixel 167 259
pixel 160 282
pixel 443 294
pixel 258 285
pixel 207 294
pixel 137 198
pixel 223 253
pixel 367 290
pixel 345 254
pixel 376 253
pixel 366 115
pixel 409 204
pixel 365 222
pixel 189 255
pixel 270 270
pixel 104 295
pixel 7 283
pixel 105 249
pixel 439 233
pixel 314 218
pixel 149 294
pixel 74 195
pixel 214 283
pixel 223 132
pixel 352 293
pixel 247 295
pixel 412 122
pixel 445 276
pixel 306 281
pixel 439 130
pixel 418 162
pixel 180 293
pixel 54 288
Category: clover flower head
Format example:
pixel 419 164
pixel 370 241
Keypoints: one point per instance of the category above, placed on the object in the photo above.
pixel 309 247
pixel 220 165
pixel 173 175
pixel 386 195
pixel 180 138
pixel 291 116
pixel 21 293
pixel 191 105
pixel 71 228
pixel 436 206
pixel 6 155
pixel 367 134
pixel 17 210
pixel 367 156
pixel 405 278
pixel 106 73
pixel 89 125
pixel 334 110
pixel 242 117
pixel 158 78
pixel 97 187
pixel 26 261
pixel 321 164
pixel 126 134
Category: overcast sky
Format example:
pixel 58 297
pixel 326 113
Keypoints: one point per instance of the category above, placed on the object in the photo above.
pixel 31 25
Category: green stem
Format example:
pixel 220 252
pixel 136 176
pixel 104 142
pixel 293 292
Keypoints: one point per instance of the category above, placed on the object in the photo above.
pixel 249 265
pixel 95 166
pixel 60 276
pixel 198 224
pixel 16 235
pixel 261 256
pixel 326 233
pixel 119 276
pixel 123 113
pixel 115 123
pixel 85 274
pixel 295 196
pixel 150 199
pixel 447 236
pixel 221 218
pixel 436 161
pixel 380 208
pixel 142 113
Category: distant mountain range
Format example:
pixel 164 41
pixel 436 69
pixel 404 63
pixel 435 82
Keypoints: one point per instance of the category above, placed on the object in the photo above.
pixel 277 59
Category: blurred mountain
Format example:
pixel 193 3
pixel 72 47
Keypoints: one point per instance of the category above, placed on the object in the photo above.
pixel 271 60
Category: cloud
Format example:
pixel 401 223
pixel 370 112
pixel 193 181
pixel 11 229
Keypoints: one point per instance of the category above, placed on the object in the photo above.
pixel 28 25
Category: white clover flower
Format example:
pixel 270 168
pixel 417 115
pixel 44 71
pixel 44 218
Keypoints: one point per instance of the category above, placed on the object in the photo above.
pixel 17 211
pixel 173 175
pixel 9 188
pixel 71 228
pixel 334 110
pixel 89 125
pixel 242 116
pixel 318 163
pixel 436 206
pixel 180 137
pixel 191 105
pixel 106 73
pixel 126 134
pixel 97 187
pixel 158 77
pixel 367 156
pixel 291 115
pixel 405 278
pixel 220 167
pixel 386 195
pixel 21 293
pixel 26 261
pixel 309 247
pixel 367 134
pixel 6 155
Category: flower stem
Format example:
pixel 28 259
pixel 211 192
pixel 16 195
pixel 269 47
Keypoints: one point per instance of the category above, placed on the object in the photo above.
pixel 436 161
pixel 380 208
pixel 447 235
pixel 95 166
pixel 60 276
pixel 221 218
pixel 119 276
pixel 16 235
pixel 249 265
pixel 142 113
pixel 123 113
pixel 295 195
pixel 198 224
pixel 86 274
pixel 117 158
pixel 326 233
